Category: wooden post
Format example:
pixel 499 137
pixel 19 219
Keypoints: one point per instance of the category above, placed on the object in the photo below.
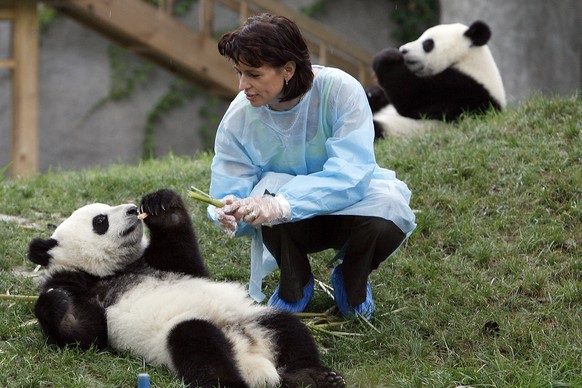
pixel 363 73
pixel 243 12
pixel 25 89
pixel 322 53
pixel 206 15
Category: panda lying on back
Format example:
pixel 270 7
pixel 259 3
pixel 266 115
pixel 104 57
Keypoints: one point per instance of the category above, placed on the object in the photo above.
pixel 449 70
pixel 107 286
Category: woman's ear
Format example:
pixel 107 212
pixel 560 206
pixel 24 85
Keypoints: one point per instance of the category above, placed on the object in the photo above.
pixel 289 70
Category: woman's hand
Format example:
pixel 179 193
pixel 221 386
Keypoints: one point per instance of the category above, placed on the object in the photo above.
pixel 266 210
pixel 224 215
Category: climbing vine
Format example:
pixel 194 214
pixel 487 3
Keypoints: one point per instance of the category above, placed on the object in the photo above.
pixel 126 72
pixel 212 114
pixel 317 8
pixel 180 7
pixel 45 16
pixel 178 93
pixel 413 17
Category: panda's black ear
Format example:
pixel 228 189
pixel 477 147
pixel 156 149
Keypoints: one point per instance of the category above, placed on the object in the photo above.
pixel 38 250
pixel 479 33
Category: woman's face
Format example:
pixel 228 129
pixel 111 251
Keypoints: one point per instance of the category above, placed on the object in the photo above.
pixel 262 85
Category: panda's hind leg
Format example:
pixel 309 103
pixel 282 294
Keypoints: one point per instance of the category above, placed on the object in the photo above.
pixel 202 355
pixel 298 357
pixel 320 377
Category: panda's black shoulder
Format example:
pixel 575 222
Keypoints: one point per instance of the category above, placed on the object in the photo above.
pixel 464 93
pixel 446 95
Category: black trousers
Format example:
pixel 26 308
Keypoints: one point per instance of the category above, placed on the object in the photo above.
pixel 370 240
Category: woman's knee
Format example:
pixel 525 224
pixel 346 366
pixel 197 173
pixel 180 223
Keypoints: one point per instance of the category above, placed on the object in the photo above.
pixel 380 227
pixel 383 236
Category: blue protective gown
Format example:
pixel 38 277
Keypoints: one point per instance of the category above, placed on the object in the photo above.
pixel 319 155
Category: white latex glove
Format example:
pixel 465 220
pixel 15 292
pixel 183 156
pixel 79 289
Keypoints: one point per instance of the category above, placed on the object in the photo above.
pixel 265 210
pixel 224 215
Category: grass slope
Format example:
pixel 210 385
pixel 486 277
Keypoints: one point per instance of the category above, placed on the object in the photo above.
pixel 486 292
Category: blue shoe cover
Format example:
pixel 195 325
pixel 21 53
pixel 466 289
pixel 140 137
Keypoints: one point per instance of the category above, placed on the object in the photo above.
pixel 365 309
pixel 293 307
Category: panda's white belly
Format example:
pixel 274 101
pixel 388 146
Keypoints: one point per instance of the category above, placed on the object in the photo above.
pixel 142 318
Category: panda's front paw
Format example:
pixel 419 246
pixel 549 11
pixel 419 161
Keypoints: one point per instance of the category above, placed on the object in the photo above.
pixel 387 58
pixel 53 304
pixel 164 206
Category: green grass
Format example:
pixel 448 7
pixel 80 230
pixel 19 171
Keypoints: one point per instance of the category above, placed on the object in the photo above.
pixel 487 292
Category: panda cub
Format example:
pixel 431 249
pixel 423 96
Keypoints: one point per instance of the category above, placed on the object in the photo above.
pixel 107 285
pixel 447 71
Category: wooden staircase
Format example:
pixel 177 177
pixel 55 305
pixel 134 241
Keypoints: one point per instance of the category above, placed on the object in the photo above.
pixel 157 35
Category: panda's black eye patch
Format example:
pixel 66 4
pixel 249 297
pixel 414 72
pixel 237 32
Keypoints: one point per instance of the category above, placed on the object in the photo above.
pixel 428 45
pixel 100 224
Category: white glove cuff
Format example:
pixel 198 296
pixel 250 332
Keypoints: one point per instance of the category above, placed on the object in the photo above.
pixel 285 206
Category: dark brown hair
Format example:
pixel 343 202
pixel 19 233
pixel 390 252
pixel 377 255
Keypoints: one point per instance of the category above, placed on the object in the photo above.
pixel 273 41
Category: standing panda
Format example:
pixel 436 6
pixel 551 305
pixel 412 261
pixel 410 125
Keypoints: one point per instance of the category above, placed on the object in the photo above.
pixel 107 285
pixel 446 72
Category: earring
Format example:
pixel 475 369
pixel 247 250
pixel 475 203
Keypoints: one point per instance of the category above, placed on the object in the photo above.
pixel 286 82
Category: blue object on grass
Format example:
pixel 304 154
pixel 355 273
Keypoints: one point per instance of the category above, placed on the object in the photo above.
pixel 143 380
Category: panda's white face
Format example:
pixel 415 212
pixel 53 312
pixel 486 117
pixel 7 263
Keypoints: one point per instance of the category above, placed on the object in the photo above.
pixel 460 47
pixel 98 239
pixel 437 49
